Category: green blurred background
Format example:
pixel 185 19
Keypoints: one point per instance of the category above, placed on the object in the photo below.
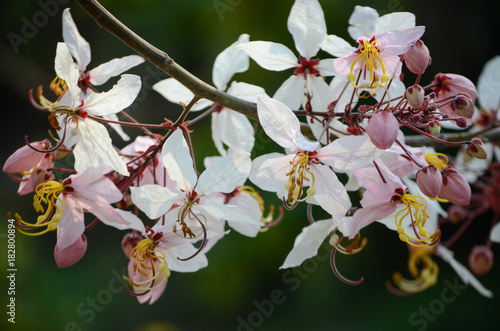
pixel 243 273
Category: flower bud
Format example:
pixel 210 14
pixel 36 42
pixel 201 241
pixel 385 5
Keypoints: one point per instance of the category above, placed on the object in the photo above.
pixel 455 187
pixel 463 106
pixel 480 260
pixel 429 181
pixel 477 149
pixel 415 96
pixel 130 240
pixel 383 128
pixel 456 214
pixel 461 122
pixel 70 255
pixel 433 128
pixel 417 58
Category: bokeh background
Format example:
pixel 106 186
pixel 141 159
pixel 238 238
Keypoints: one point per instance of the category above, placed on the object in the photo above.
pixel 243 273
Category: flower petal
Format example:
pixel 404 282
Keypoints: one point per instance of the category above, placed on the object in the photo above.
pixel 307 243
pixel 115 67
pixel 291 92
pixel 79 47
pixel 337 46
pixel 394 21
pixel 230 61
pixel 270 56
pixel 307 25
pixel 154 200
pixel 118 98
pixel 177 160
pixel 362 22
pixel 224 174
pixel 177 93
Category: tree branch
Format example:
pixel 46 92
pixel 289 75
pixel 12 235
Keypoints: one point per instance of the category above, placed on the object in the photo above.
pixel 420 140
pixel 164 62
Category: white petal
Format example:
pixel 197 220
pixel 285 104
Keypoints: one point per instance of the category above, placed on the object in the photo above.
pixel 228 213
pixel 224 174
pixel 394 21
pixel 79 47
pixel 362 21
pixel 154 200
pixel 94 149
pixel 135 222
pixel 349 153
pixel 177 160
pixel 488 85
pixel 326 68
pixel 269 172
pixel 291 92
pixel 116 127
pixel 337 46
pixel 307 25
pixel 177 93
pixel 115 67
pixel 270 56
pixel 322 94
pixel 66 69
pixel 72 225
pixel 278 121
pixel 118 98
pixel 250 204
pixel 495 233
pixel 233 129
pixel 246 91
pixel 330 194
pixel 307 243
pixel 230 61
pixel 464 273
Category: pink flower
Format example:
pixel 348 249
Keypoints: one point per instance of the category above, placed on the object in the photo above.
pixel 63 205
pixel 417 58
pixel 383 128
pixel 378 56
pixel 71 254
pixel 455 187
pixel 32 165
pixel 450 85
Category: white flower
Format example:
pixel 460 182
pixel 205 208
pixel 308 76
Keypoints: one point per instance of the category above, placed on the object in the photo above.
pixel 192 202
pixel 308 165
pixel 80 49
pixel 93 144
pixel 229 128
pixel 307 25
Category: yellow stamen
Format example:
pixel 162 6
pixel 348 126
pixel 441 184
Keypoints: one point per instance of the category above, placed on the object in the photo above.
pixel 419 218
pixel 145 258
pixel 356 245
pixel 424 279
pixel 255 194
pixel 58 86
pixel 439 160
pixel 296 177
pixel 45 201
pixel 370 56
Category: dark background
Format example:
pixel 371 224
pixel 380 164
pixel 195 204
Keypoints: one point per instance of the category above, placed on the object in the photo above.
pixel 243 273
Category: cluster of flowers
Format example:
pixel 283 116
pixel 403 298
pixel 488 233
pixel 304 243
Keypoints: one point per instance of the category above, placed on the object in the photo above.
pixel 354 128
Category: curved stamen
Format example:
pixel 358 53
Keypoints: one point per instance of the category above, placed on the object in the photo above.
pixel 202 244
pixel 337 273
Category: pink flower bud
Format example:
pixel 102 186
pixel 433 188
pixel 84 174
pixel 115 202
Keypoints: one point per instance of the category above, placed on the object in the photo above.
pixel 26 158
pixel 463 106
pixel 383 128
pixel 71 254
pixel 461 122
pixel 129 242
pixel 480 260
pixel 456 214
pixel 429 181
pixel 415 96
pixel 477 149
pixel 433 128
pixel 455 187
pixel 417 58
